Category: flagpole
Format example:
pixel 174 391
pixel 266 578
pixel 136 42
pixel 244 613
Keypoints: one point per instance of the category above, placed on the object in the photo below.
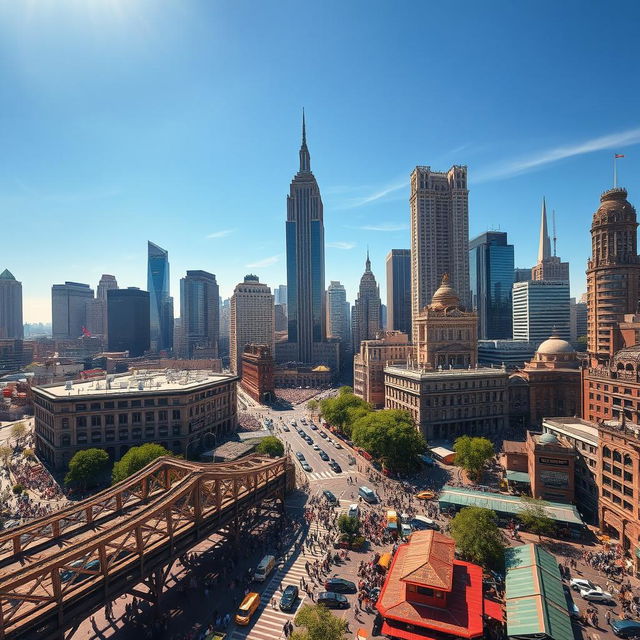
pixel 615 171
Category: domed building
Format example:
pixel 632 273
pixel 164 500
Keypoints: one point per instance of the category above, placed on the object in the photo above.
pixel 553 380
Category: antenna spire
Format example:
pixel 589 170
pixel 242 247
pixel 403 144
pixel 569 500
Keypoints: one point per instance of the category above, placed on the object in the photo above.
pixel 305 158
pixel 555 238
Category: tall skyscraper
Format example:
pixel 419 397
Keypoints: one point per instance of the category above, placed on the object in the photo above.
pixel 161 309
pixel 69 309
pixel 251 320
pixel 491 277
pixel 399 290
pixel 540 308
pixel 578 317
pixel 366 321
pixel 439 234
pixel 280 294
pixel 200 313
pixel 107 282
pixel 338 325
pixel 129 328
pixel 97 316
pixel 305 260
pixel 613 273
pixel 225 319
pixel 549 266
pixel 10 306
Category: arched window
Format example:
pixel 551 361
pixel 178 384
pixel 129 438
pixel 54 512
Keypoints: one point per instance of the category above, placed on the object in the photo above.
pixel 627 460
pixel 617 457
pixel 606 452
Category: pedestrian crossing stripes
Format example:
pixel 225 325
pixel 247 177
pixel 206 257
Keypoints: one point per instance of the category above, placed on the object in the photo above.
pixel 321 475
pixel 268 622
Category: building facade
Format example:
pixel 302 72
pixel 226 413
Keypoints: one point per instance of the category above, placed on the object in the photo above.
pixel 69 309
pixel 257 372
pixel 174 409
pixel 491 263
pixel 439 234
pixel 338 314
pixel 549 267
pixel 11 326
pixel 128 317
pixel 387 348
pixel 366 320
pixel 399 290
pixel 578 320
pixel 251 319
pixel 521 274
pixel 160 300
pixel 511 353
pixel 200 314
pixel 551 467
pixel 541 307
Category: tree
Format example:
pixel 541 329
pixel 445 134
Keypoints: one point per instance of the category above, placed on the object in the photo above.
pixel 312 405
pixel 28 454
pixel 349 525
pixel 391 436
pixel 271 446
pixel 472 454
pixel 5 454
pixel 135 459
pixel 336 411
pixel 477 536
pixel 319 624
pixel 87 468
pixel 19 431
pixel 534 517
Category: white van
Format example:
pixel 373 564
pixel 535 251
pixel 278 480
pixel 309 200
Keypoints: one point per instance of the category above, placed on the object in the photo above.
pixel 264 568
pixel 368 495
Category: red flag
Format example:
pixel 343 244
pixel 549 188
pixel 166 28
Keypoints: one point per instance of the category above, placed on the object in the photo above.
pixel 619 155
pixel 85 332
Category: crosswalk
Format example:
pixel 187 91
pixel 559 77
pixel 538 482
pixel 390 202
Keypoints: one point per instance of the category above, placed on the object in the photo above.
pixel 321 475
pixel 267 622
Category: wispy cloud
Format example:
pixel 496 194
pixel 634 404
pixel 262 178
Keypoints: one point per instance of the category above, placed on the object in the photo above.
pixel 378 194
pixel 265 262
pixel 341 245
pixel 518 166
pixel 384 226
pixel 221 234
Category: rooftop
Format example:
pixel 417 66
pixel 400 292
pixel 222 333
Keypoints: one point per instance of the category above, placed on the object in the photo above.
pixel 435 374
pixel 574 427
pixel 429 560
pixel 134 382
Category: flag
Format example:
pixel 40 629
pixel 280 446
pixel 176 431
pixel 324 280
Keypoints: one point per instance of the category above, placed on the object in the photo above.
pixel 619 155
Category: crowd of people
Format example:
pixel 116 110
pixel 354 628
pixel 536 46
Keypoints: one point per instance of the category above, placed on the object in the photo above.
pixel 295 396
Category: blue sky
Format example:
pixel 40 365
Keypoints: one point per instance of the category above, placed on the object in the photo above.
pixel 179 122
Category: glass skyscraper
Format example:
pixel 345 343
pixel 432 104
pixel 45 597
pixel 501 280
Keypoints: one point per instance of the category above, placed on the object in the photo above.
pixel 399 290
pixel 160 302
pixel 200 313
pixel 128 319
pixel 491 269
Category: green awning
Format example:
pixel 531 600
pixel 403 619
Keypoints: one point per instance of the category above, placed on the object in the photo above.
pixel 518 476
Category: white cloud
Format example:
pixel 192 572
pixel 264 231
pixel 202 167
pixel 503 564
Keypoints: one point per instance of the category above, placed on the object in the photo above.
pixel 265 262
pixel 384 226
pixel 221 234
pixel 530 163
pixel 341 245
pixel 379 194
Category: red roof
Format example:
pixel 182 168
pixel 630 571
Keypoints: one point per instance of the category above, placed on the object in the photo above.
pixel 464 605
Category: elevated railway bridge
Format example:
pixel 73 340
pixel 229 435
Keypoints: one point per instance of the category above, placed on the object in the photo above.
pixel 59 569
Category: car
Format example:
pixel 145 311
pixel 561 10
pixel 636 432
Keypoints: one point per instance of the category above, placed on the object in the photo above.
pixel 331 499
pixel 354 511
pixel 289 597
pixel 306 467
pixel 309 441
pixel 323 455
pixel 582 583
pixel 332 600
pixel 313 427
pixel 420 523
pixel 285 428
pixel 335 466
pixel 303 420
pixel 303 435
pixel 323 434
pixel 428 494
pixel 596 595
pixel 340 585
pixel 626 628
pixel 300 456
pixel 316 447
pixel 337 445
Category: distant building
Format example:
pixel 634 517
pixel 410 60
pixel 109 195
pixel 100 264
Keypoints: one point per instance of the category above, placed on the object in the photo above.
pixel 280 295
pixel 549 267
pixel 339 318
pixel 512 353
pixel 521 275
pixel 388 347
pixel 69 309
pixel 128 313
pixel 540 307
pixel 577 320
pixel 491 278
pixel 95 311
pixel 366 320
pixel 200 314
pixel 160 300
pixel 251 319
pixel 280 318
pixel 257 372
pixel 10 307
pixel 11 354
pixel 107 282
pixel 399 290
pixel 225 319
pixel 439 234
pixel 294 376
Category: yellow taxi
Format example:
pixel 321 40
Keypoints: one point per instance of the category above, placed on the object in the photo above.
pixel 426 495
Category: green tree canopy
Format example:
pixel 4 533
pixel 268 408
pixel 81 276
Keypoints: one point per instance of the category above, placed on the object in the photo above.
pixel 270 446
pixel 312 405
pixel 336 411
pixel 5 454
pixel 19 431
pixel 349 525
pixel 390 435
pixel 86 468
pixel 135 459
pixel 477 536
pixel 534 517
pixel 319 624
pixel 472 454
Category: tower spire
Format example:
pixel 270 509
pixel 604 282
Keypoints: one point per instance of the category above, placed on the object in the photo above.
pixel 305 158
pixel 367 264
pixel 544 248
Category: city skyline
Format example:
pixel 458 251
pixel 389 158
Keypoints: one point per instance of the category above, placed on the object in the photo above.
pixel 162 156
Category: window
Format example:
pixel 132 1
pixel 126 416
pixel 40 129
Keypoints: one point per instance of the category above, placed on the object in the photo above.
pixel 617 471
pixel 96 436
pixel 606 466
pixel 109 405
pixel 606 452
pixel 176 430
pixel 162 402
pixel 628 491
pixel 425 591
pixel 81 422
pixel 162 415
pixel 123 434
pixel 149 402
pixel 136 417
pixel 109 420
pixel 628 477
pixel 65 423
pixel 95 406
pixel 96 421
pixel 122 404
pixel 627 460
pixel 123 418
pixel 81 407
pixel 148 416
pixel 606 480
pixel 110 435
pixel 176 414
pixel 617 486
pixel 627 506
pixel 136 403
pixel 617 457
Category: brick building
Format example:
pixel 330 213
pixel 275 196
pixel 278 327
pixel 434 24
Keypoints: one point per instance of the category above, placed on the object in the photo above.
pixel 257 372
pixel 551 463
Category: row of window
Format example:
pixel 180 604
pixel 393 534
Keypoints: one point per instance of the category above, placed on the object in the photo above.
pixel 617 456
pixel 123 418
pixel 97 437
pixel 617 500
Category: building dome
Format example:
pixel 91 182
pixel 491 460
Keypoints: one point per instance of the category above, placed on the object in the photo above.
pixel 555 345
pixel 614 207
pixel 445 296
pixel 548 438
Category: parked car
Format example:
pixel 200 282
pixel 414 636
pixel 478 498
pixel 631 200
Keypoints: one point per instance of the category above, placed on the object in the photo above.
pixel 285 428
pixel 307 467
pixel 331 499
pixel 316 447
pixel 299 455
pixel 596 595
pixel 337 445
pixel 313 427
pixel 354 511
pixel 335 466
pixel 340 585
pixel 323 434
pixel 626 628
pixel 289 597
pixel 332 600
pixel 323 455
pixel 421 523
pixel 582 583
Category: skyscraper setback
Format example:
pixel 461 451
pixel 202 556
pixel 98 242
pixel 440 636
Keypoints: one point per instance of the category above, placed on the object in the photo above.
pixel 161 303
pixel 439 234
pixel 366 320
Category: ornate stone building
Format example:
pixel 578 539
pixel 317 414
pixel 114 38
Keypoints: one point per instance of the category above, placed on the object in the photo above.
pixel 367 311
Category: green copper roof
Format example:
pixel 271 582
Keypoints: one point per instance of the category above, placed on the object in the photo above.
pixel 6 275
